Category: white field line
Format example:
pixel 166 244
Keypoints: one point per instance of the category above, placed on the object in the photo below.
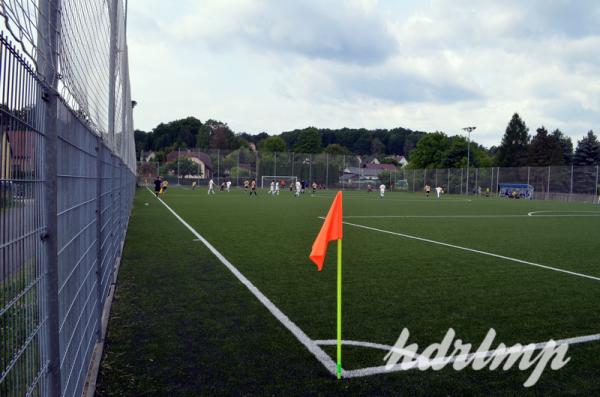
pixel 320 355
pixel 414 363
pixel 529 215
pixel 508 258
pixel 562 213
pixel 437 216
pixel 355 197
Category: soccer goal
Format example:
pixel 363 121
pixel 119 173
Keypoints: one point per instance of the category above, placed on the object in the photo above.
pixel 515 190
pixel 284 181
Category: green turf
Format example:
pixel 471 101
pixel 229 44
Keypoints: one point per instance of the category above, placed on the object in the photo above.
pixel 183 325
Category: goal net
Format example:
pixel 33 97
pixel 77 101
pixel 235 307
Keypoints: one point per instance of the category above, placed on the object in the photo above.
pixel 515 190
pixel 284 181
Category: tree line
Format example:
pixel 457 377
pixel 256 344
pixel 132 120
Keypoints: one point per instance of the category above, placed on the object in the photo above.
pixel 423 150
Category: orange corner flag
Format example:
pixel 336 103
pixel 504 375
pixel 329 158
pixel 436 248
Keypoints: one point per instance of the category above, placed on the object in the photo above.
pixel 331 230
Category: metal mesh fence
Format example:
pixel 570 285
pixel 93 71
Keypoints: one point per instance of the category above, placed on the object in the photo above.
pixel 567 183
pixel 67 179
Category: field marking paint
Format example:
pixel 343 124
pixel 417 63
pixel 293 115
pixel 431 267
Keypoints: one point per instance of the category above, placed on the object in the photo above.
pixel 437 216
pixel 568 213
pixel 356 373
pixel 355 197
pixel 508 258
pixel 320 355
pixel 529 214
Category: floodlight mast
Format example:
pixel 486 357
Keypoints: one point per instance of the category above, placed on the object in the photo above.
pixel 469 130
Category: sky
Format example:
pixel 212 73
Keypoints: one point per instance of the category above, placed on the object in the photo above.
pixel 432 65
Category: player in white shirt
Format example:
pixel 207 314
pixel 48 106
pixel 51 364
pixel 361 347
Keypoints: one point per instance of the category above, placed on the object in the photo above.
pixel 439 191
pixel 381 190
pixel 298 188
pixel 272 188
pixel 228 186
pixel 211 186
pixel 277 188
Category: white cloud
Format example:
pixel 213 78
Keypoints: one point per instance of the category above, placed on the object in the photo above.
pixel 439 65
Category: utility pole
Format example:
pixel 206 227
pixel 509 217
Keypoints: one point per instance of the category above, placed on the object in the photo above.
pixel 468 129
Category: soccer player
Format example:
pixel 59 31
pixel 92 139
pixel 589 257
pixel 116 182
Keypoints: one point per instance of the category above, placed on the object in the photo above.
pixel 211 186
pixel 381 190
pixel 314 188
pixel 439 191
pixel 222 188
pixel 427 190
pixel 253 188
pixel 298 188
pixel 369 188
pixel 165 185
pixel 277 188
pixel 272 187
pixel 157 185
pixel 246 185
pixel 194 185
pixel 228 186
pixel 303 184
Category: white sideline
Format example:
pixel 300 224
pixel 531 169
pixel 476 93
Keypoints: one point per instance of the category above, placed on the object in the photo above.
pixel 289 324
pixel 556 269
pixel 553 213
pixel 438 216
pixel 414 364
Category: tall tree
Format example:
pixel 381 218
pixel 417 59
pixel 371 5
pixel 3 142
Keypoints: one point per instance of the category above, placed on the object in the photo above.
pixel 566 146
pixel 273 144
pixel 588 150
pixel 309 141
pixel 430 151
pixel 544 149
pixel 377 147
pixel 223 138
pixel 336 149
pixel 513 149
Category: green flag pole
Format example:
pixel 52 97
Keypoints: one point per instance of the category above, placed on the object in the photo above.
pixel 339 309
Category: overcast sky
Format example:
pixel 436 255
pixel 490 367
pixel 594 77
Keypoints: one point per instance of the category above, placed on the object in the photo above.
pixel 425 65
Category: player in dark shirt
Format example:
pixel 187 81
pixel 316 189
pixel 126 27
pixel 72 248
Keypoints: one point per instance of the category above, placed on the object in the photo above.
pixel 157 185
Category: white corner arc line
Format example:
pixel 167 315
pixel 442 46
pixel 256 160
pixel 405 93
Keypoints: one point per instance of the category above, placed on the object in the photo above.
pixel 319 354
pixel 356 373
pixel 508 258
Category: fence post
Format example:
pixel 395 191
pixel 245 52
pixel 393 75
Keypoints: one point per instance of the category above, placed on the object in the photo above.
pixel 571 189
pixel 178 157
pixel 326 170
pixel 112 68
pixel 99 174
pixel 275 165
pixel 448 187
pixel 219 167
pixel 343 168
pixel 476 175
pixel 48 33
pixel 596 188
pixel 309 169
pixel 498 180
pixel 293 164
pixel 548 187
pixel 528 172
pixel 462 171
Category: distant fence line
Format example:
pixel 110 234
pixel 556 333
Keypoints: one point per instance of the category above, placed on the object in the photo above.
pixel 569 183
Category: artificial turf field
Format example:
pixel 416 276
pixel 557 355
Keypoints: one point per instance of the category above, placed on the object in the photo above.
pixel 183 324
